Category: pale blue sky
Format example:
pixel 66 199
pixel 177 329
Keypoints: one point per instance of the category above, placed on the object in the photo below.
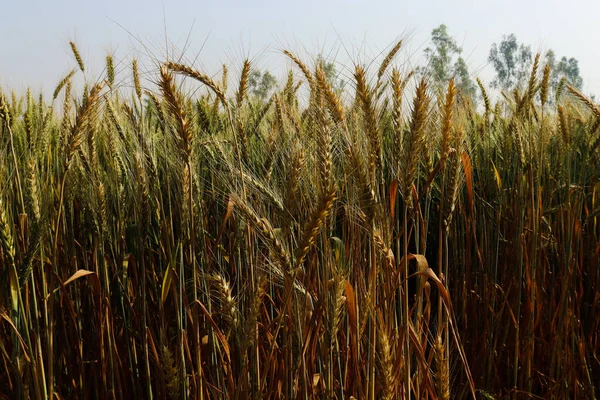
pixel 34 34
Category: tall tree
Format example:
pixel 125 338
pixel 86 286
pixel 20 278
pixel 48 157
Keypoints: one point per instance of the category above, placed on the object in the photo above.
pixel 444 62
pixel 462 77
pixel 565 68
pixel 511 61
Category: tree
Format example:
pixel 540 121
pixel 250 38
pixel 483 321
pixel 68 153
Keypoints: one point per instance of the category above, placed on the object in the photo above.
pixel 511 61
pixel 444 62
pixel 261 84
pixel 565 68
pixel 466 87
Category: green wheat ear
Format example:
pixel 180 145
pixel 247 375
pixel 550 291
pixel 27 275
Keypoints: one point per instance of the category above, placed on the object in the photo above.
pixel 77 56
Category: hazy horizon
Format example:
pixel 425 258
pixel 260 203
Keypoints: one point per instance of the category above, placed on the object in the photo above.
pixel 35 37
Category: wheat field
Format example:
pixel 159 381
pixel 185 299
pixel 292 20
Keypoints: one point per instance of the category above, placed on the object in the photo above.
pixel 186 240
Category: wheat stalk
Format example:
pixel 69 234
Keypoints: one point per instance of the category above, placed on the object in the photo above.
pixel 197 75
pixel 386 63
pixel 300 65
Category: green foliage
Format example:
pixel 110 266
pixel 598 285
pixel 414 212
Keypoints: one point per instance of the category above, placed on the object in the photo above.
pixel 511 61
pixel 444 61
pixel 564 69
pixel 261 84
pixel 464 83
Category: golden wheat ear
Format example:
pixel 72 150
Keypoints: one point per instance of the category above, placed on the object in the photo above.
pixel 442 376
pixel 414 140
pixel 243 85
pixel 136 79
pixel 386 63
pixel 300 65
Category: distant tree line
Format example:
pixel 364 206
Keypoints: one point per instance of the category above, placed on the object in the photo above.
pixel 511 60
